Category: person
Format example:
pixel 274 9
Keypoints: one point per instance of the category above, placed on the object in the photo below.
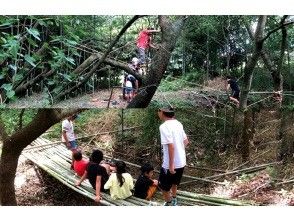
pixel 120 183
pixel 68 136
pixel 80 164
pixel 131 86
pixel 232 83
pixel 144 42
pixel 145 186
pixel 96 173
pixel 174 141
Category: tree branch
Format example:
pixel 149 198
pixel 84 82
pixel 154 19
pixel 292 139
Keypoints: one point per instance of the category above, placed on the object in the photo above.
pixel 123 30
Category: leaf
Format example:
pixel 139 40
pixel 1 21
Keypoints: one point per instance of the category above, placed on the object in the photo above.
pixel 17 77
pixel 51 82
pixel 13 67
pixel 1 76
pixel 10 94
pixel 34 32
pixel 32 42
pixel 70 60
pixel 7 86
pixel 30 60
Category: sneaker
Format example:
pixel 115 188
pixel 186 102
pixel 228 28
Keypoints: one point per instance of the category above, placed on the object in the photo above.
pixel 167 203
pixel 174 201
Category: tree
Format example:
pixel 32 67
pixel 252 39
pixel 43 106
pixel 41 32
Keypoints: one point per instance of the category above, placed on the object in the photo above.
pixel 170 32
pixel 14 144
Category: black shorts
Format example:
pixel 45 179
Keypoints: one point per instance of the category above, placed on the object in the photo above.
pixel 166 179
pixel 236 95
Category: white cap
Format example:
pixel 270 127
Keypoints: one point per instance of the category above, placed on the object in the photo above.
pixel 135 60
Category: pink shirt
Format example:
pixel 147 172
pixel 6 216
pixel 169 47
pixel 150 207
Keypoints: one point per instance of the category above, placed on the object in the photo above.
pixel 80 166
pixel 143 39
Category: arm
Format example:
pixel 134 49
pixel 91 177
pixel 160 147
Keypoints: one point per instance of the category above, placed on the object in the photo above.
pixel 98 187
pixel 82 178
pixel 65 138
pixel 153 46
pixel 186 142
pixel 153 31
pixel 171 155
pixel 108 183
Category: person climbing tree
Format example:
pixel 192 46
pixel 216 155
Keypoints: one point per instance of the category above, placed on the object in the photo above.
pixel 232 83
pixel 144 42
pixel 173 141
pixel 68 136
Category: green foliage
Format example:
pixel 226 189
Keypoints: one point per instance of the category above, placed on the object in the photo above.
pixel 10 118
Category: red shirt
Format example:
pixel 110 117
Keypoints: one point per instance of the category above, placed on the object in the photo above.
pixel 143 39
pixel 80 166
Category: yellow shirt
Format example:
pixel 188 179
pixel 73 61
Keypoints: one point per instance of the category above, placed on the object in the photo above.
pixel 117 192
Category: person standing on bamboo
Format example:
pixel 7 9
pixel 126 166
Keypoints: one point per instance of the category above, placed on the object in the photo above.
pixel 144 42
pixel 173 141
pixel 68 136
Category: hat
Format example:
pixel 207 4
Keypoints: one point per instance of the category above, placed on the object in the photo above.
pixel 167 109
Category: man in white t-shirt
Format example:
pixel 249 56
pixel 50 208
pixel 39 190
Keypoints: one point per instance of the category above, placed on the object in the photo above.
pixel 173 141
pixel 68 136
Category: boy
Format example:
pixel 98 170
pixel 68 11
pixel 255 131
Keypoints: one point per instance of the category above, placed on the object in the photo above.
pixel 79 164
pixel 173 141
pixel 68 136
pixel 144 42
pixel 145 186
pixel 96 173
pixel 232 83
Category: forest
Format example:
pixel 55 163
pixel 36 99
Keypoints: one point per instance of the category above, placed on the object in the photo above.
pixel 52 67
pixel 57 58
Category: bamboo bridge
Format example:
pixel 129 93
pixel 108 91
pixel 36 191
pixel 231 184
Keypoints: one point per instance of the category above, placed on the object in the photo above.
pixel 55 159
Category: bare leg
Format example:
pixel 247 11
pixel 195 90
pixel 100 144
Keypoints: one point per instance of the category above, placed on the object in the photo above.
pixel 166 196
pixel 174 190
pixel 235 101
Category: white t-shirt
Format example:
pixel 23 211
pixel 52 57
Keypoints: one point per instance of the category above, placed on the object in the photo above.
pixel 67 126
pixel 172 132
pixel 129 84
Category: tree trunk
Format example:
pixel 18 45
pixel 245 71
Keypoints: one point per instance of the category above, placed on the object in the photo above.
pixel 286 149
pixel 14 144
pixel 170 33
pixel 248 71
pixel 247 135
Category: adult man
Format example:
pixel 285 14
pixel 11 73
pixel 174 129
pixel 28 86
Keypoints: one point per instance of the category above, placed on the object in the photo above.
pixel 68 136
pixel 232 83
pixel 144 42
pixel 173 141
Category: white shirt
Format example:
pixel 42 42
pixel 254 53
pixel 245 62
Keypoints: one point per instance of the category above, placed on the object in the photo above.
pixel 172 132
pixel 129 84
pixel 67 126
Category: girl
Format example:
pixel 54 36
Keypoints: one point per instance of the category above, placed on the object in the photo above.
pixel 120 183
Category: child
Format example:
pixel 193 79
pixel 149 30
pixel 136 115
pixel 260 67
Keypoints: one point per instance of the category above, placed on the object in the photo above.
pixel 79 164
pixel 145 186
pixel 120 183
pixel 235 90
pixel 96 173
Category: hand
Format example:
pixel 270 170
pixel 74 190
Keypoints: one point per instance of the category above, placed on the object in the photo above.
pixel 68 145
pixel 97 198
pixel 172 171
pixel 78 183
